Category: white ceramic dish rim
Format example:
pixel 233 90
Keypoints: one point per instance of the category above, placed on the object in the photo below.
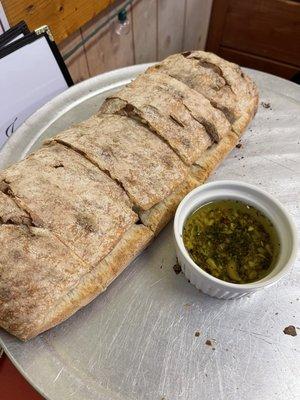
pixel 242 187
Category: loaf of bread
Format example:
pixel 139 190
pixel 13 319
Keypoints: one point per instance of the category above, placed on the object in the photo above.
pixel 76 212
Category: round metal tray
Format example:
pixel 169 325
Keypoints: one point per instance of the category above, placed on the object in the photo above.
pixel 137 340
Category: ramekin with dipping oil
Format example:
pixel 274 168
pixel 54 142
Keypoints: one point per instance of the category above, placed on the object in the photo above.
pixel 249 194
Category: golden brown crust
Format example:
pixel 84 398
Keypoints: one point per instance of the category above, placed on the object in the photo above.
pixel 240 125
pixel 210 160
pixel 158 216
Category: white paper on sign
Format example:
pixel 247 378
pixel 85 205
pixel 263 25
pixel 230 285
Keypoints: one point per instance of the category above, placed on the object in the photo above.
pixel 29 77
pixel 4 25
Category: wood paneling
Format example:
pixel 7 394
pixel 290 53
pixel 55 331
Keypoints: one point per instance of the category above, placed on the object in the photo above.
pixel 264 64
pixel 106 50
pixel 171 19
pixel 77 63
pixel 272 25
pixel 144 26
pixel 197 17
pixel 158 28
pixel 261 34
pixel 63 16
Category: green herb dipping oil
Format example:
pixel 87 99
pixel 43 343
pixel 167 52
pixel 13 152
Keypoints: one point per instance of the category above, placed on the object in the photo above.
pixel 231 241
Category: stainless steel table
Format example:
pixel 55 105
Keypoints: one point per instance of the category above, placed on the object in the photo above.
pixel 137 340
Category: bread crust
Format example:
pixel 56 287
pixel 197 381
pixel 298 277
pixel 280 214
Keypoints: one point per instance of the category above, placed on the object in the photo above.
pixel 35 272
pixel 74 214
pixel 132 243
pixel 210 160
pixel 71 197
pixel 158 216
pixel 145 167
pixel 224 83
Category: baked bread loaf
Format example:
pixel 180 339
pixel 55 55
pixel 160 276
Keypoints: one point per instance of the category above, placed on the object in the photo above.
pixel 76 212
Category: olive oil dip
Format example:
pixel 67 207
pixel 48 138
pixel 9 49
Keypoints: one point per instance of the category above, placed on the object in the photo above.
pixel 232 241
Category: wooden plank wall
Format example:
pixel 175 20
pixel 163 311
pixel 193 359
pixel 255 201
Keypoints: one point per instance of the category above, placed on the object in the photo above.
pixel 158 29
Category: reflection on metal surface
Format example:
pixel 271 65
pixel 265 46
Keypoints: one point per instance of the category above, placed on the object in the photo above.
pixel 146 336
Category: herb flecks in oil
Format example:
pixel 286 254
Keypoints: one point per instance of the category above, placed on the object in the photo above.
pixel 231 241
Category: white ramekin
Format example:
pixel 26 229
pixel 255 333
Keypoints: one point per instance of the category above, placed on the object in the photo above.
pixel 251 195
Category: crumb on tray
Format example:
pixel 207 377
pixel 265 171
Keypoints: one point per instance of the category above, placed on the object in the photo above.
pixel 290 330
pixel 211 343
pixel 177 268
pixel 265 104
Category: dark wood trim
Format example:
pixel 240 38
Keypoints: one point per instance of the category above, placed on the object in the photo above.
pixel 216 25
pixel 263 64
pixel 267 28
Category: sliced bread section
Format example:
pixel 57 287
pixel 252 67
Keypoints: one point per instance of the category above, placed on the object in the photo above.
pixel 223 83
pixel 67 194
pixel 131 154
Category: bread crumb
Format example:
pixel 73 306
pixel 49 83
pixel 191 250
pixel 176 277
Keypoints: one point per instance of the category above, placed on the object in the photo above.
pixel 177 268
pixel 266 105
pixel 290 330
